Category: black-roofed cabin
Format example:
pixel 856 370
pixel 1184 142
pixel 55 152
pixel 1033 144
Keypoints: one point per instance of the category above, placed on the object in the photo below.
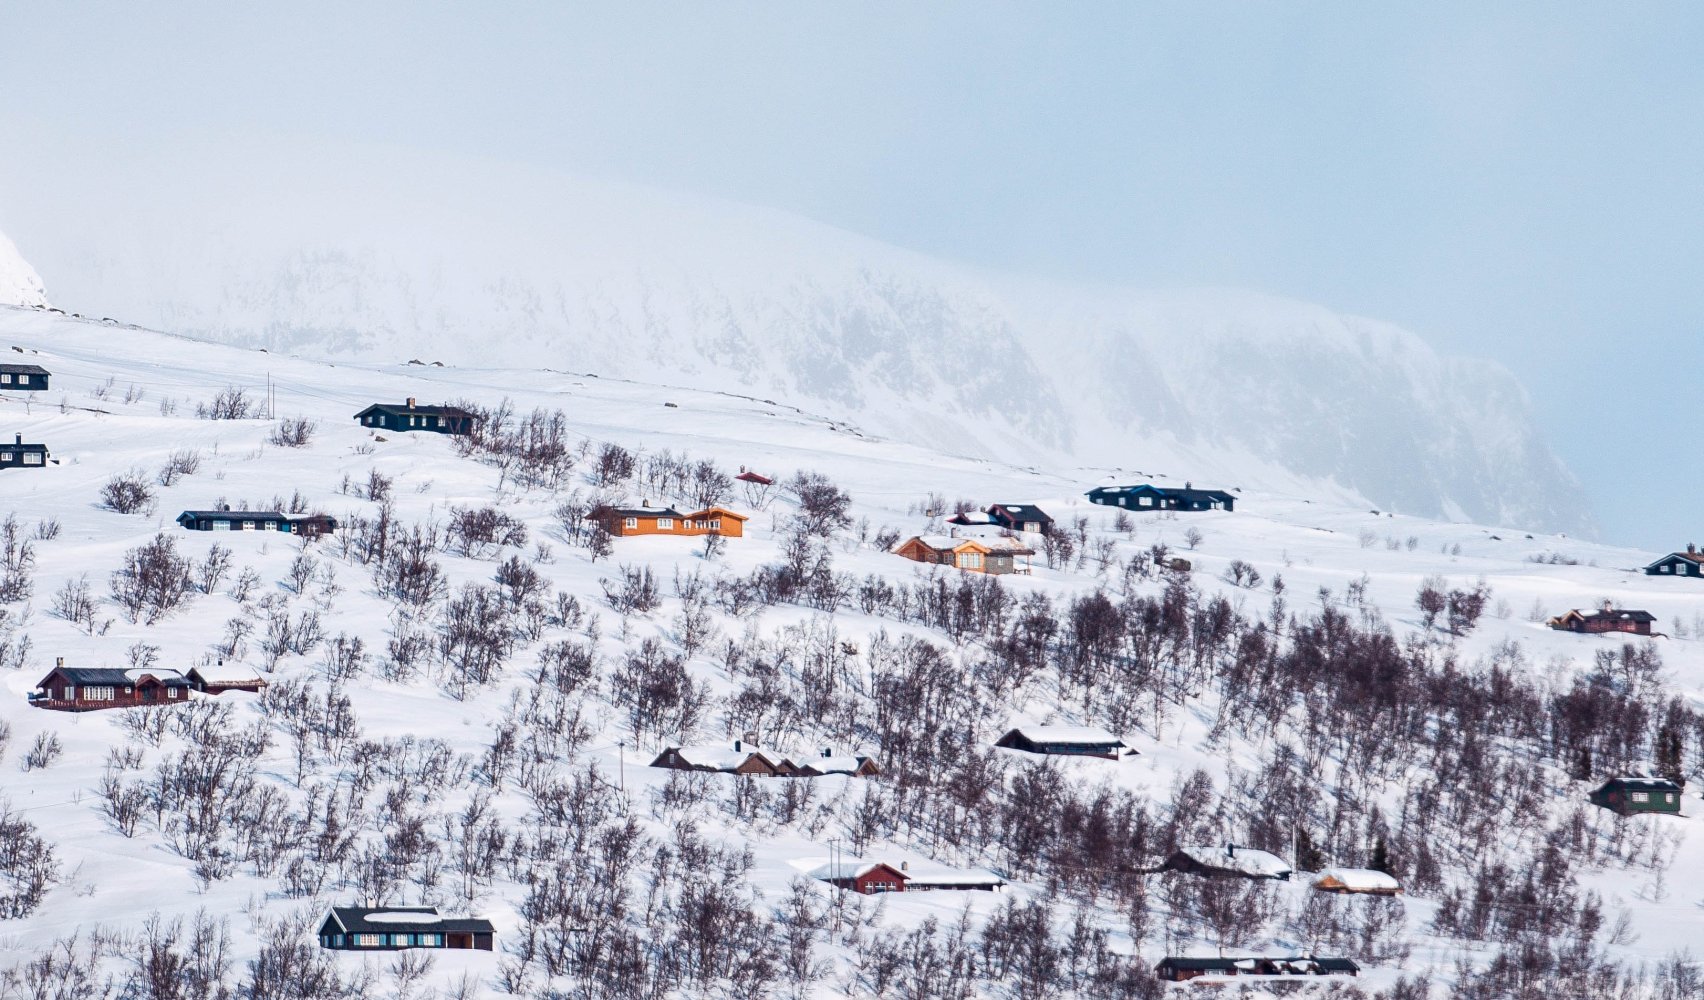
pixel 90 689
pixel 19 455
pixel 410 416
pixel 256 520
pixel 1627 796
pixel 1040 741
pixel 393 928
pixel 23 378
pixel 1021 517
pixel 1182 970
pixel 1150 497
pixel 1688 563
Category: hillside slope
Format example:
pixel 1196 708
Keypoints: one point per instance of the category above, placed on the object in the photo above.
pixel 387 716
pixel 379 256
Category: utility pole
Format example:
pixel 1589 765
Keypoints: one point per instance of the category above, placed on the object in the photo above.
pixel 622 744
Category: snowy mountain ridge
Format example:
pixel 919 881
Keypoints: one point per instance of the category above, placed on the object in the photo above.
pixel 372 256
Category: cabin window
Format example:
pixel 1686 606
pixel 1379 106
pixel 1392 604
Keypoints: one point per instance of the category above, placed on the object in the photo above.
pixel 32 458
pixel 23 380
pixel 716 525
pixel 248 525
pixel 1641 796
pixel 1668 797
pixel 369 940
pixel 171 692
pixel 5 456
pixel 665 524
pixel 221 526
pixel 70 692
pixel 99 693
pixel 631 522
pixel 5 379
pixel 971 560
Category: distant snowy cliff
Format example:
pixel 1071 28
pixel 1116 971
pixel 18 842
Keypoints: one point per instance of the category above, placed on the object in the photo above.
pixel 475 264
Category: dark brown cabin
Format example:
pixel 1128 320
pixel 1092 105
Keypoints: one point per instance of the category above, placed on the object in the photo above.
pixel 90 689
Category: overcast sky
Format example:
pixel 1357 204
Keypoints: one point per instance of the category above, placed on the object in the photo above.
pixel 1523 182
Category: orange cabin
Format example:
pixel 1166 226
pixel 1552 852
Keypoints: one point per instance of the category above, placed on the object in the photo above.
pixel 623 521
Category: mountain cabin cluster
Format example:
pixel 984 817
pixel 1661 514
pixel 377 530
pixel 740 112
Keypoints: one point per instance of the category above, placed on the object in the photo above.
pixel 1001 538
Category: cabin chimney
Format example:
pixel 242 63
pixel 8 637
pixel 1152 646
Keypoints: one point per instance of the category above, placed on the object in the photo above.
pixel 411 402
pixel 828 751
pixel 59 661
pixel 1608 606
pixel 645 502
pixel 905 866
pixel 737 746
pixel 17 439
pixel 1691 548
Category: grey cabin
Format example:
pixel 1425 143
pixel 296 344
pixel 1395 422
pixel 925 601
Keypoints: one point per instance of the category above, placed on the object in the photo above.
pixel 410 416
pixel 392 928
pixel 23 378
pixel 1147 496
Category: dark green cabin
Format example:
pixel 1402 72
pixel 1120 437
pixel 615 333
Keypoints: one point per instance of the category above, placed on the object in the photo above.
pixel 1638 795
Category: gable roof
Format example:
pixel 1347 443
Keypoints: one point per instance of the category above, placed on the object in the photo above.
pixel 24 370
pixel 1021 512
pixel 1641 783
pixel 852 869
pixel 116 676
pixel 403 410
pixel 710 512
pixel 21 445
pixel 1696 558
pixel 948 543
pixel 226 673
pixel 1614 614
pixel 391 919
pixel 1203 964
pixel 759 478
pixel 236 515
pixel 1247 860
pixel 601 512
pixel 1073 735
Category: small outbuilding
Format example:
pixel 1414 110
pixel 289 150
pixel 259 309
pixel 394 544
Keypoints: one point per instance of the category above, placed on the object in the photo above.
pixel 1688 563
pixel 1357 881
pixel 1630 795
pixel 410 416
pixel 1147 496
pixel 393 928
pixel 1607 619
pixel 220 677
pixel 1069 741
pixel 19 455
pixel 90 689
pixel 23 378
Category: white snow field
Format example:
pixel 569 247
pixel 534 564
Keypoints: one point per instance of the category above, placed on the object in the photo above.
pixel 125 399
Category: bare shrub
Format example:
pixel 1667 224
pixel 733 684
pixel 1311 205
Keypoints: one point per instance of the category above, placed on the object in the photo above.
pixel 480 531
pixel 823 506
pixel 232 403
pixel 153 581
pixel 183 462
pixel 127 493
pixel 43 752
pixel 293 432
pixel 75 603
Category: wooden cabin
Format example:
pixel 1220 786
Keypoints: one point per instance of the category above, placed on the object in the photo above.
pixel 19 455
pixel 1070 741
pixel 1627 796
pixel 1023 517
pixel 90 689
pixel 1688 563
pixel 648 520
pixel 871 877
pixel 393 928
pixel 1177 969
pixel 961 553
pixel 23 378
pixel 1607 619
pixel 1228 861
pixel 745 758
pixel 1357 882
pixel 310 525
pixel 1150 497
pixel 216 679
pixel 410 416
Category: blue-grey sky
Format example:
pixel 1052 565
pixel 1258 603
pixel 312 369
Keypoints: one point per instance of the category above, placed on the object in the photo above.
pixel 1518 181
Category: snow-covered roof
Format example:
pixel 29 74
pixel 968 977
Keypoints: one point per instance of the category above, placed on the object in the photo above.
pixel 227 673
pixel 847 869
pixel 1361 879
pixel 723 757
pixel 162 675
pixel 1240 859
pixel 833 765
pixel 403 917
pixel 946 543
pixel 931 873
pixel 1068 734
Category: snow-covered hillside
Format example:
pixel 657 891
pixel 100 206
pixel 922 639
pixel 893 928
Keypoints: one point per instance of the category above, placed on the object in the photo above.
pixel 482 748
pixel 373 256
pixel 19 284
